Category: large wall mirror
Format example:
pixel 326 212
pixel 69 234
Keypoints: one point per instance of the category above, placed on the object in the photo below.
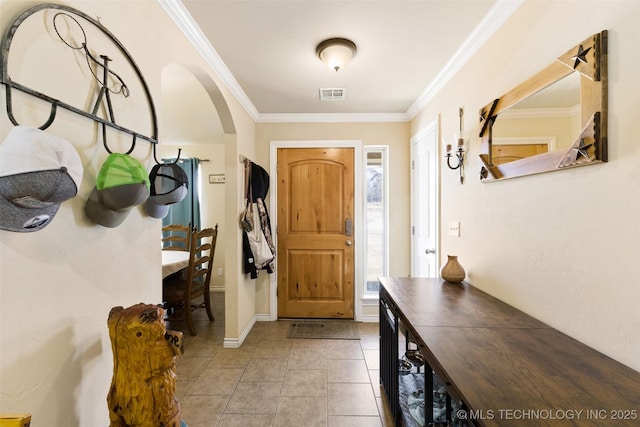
pixel 555 120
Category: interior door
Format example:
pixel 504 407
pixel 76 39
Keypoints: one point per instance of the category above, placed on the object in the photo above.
pixel 424 203
pixel 316 243
pixel 503 153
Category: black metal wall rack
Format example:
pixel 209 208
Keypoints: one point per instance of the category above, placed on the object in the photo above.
pixel 102 63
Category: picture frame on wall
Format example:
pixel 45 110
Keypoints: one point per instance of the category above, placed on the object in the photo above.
pixel 216 178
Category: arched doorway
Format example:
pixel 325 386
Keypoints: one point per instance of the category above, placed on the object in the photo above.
pixel 195 118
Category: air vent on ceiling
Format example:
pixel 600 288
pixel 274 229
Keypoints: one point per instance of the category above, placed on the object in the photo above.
pixel 332 94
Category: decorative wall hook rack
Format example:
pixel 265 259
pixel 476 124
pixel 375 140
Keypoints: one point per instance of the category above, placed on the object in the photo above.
pixel 94 64
pixel 173 162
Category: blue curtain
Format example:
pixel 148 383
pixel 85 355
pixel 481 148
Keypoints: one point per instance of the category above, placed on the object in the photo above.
pixel 186 212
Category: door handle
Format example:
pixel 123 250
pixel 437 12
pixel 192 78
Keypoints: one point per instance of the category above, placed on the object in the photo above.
pixel 430 251
pixel 349 242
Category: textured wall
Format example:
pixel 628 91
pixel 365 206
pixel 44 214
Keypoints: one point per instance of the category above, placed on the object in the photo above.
pixel 563 246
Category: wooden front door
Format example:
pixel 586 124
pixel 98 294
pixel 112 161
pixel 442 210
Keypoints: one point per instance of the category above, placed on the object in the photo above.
pixel 315 232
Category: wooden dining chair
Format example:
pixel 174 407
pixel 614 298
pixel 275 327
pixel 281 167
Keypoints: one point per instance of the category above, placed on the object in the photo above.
pixel 180 291
pixel 175 237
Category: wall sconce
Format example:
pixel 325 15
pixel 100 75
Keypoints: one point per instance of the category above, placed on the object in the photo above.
pixel 336 53
pixel 459 137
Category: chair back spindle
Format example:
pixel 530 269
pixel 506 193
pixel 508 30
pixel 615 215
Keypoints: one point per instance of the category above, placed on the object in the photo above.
pixel 179 292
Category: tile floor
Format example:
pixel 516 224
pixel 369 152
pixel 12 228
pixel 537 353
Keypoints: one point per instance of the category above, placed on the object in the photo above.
pixel 274 381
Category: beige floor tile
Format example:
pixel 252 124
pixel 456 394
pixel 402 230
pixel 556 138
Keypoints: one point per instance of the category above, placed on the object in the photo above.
pixel 308 344
pixel 368 328
pixel 307 358
pixel 251 341
pixel 344 349
pixel 231 357
pixel 265 370
pixel 272 349
pixel 275 381
pixel 201 347
pixel 351 399
pixel 246 420
pixel 202 410
pixel 353 421
pixel 370 342
pixel 301 411
pixel 374 378
pixel 182 388
pixel 347 371
pixel 189 369
pixel 272 330
pixel 254 398
pixel 217 381
pixel 305 382
pixel 372 358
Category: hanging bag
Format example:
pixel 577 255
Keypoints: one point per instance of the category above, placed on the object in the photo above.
pixel 247 222
pixel 258 243
pixel 246 217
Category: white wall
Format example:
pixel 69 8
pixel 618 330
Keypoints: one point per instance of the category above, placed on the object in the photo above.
pixel 563 246
pixel 57 285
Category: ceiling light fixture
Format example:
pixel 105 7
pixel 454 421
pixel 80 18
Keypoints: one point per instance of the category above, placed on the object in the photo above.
pixel 336 53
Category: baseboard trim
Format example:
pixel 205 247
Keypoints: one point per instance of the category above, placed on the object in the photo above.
pixel 237 342
pixel 370 318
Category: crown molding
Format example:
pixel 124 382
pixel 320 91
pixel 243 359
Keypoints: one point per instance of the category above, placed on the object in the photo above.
pixel 183 19
pixel 499 13
pixel 494 19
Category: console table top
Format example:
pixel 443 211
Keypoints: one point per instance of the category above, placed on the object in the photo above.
pixel 434 302
pixel 507 366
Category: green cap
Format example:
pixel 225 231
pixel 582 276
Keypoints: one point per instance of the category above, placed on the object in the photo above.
pixel 121 169
pixel 121 184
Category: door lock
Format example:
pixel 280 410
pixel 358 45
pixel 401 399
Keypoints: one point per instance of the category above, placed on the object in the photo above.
pixel 430 251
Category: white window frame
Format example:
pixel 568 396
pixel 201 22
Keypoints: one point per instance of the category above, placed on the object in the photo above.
pixel 384 150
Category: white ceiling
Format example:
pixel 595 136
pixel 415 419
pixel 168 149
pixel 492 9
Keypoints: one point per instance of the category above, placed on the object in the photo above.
pixel 264 51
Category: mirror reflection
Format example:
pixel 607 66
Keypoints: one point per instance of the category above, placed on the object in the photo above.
pixel 544 122
pixel 556 119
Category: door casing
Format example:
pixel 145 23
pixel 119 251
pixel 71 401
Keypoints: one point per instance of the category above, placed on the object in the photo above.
pixel 421 263
pixel 358 231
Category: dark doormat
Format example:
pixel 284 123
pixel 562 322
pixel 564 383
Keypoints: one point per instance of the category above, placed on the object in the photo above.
pixel 324 329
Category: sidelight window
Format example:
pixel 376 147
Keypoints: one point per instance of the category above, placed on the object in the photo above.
pixel 376 217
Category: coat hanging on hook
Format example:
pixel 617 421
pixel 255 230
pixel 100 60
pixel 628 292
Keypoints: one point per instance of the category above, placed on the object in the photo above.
pixel 258 246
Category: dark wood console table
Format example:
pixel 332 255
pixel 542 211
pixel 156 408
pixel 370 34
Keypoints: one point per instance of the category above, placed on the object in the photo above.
pixel 500 366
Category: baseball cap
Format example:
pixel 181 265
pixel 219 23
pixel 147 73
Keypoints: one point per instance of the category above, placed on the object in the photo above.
pixel 121 184
pixel 169 185
pixel 38 171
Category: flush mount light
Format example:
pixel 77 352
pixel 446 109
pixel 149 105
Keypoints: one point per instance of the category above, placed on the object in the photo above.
pixel 336 53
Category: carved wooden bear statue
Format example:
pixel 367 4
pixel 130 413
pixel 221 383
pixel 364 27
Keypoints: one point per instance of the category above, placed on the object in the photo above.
pixel 143 386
